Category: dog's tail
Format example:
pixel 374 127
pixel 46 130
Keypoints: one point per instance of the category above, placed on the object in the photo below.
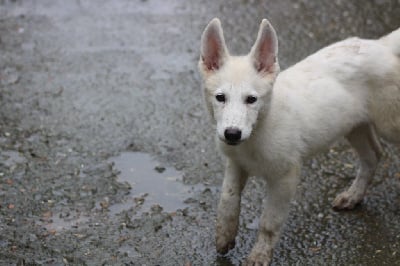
pixel 392 40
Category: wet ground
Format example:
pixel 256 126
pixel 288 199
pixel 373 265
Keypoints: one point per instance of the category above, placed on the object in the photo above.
pixel 107 154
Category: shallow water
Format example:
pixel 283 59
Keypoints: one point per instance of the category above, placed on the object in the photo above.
pixel 152 182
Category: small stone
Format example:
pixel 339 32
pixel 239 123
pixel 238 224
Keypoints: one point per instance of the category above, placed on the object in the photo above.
pixel 9 76
pixel 159 169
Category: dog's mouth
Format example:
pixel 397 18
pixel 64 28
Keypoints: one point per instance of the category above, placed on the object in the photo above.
pixel 231 142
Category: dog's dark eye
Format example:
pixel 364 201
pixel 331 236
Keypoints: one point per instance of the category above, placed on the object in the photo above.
pixel 220 97
pixel 251 99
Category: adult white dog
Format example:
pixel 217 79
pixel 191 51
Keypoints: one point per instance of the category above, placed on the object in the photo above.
pixel 268 123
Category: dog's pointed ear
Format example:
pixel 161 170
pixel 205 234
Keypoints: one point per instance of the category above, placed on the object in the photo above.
pixel 213 47
pixel 264 52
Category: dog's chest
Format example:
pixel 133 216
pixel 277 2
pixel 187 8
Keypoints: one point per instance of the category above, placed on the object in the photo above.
pixel 253 161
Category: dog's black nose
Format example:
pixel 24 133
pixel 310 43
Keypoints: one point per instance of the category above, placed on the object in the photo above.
pixel 232 134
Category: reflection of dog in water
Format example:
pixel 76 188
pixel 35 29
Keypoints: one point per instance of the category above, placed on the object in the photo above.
pixel 268 123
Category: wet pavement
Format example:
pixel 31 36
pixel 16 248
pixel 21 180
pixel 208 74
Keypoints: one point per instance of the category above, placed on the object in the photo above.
pixel 107 155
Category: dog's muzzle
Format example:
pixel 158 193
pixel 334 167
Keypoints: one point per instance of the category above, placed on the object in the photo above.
pixel 232 135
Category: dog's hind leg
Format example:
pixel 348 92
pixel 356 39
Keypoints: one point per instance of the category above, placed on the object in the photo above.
pixel 364 141
pixel 229 207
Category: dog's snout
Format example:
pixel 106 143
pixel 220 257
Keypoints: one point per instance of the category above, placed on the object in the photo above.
pixel 233 134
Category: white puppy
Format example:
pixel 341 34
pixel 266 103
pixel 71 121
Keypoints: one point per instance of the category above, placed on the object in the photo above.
pixel 268 123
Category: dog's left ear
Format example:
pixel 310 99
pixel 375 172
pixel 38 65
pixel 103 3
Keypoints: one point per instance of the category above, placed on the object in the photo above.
pixel 264 52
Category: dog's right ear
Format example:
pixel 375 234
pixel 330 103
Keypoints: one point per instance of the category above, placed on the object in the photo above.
pixel 213 48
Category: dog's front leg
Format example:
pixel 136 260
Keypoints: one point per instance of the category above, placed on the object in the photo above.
pixel 229 207
pixel 280 191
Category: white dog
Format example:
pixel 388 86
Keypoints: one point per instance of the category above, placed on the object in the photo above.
pixel 268 123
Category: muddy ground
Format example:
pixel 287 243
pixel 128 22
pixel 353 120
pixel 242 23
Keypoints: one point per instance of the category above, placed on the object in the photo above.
pixel 107 154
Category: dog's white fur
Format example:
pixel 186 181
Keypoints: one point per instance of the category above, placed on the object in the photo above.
pixel 350 88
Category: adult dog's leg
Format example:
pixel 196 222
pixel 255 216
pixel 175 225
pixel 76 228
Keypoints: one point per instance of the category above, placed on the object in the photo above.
pixel 229 207
pixel 364 141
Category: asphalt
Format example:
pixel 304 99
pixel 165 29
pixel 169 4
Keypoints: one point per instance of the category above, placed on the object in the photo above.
pixel 107 154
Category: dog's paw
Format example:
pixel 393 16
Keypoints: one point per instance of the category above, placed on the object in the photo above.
pixel 225 236
pixel 346 201
pixel 258 259
pixel 224 245
pixel 224 241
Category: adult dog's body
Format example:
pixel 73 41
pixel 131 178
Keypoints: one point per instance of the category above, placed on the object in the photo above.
pixel 268 124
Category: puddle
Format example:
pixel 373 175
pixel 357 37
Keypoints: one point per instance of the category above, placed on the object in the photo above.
pixel 151 181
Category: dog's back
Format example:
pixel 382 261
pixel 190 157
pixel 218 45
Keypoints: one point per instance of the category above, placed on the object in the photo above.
pixel 392 40
pixel 354 80
pixel 385 99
